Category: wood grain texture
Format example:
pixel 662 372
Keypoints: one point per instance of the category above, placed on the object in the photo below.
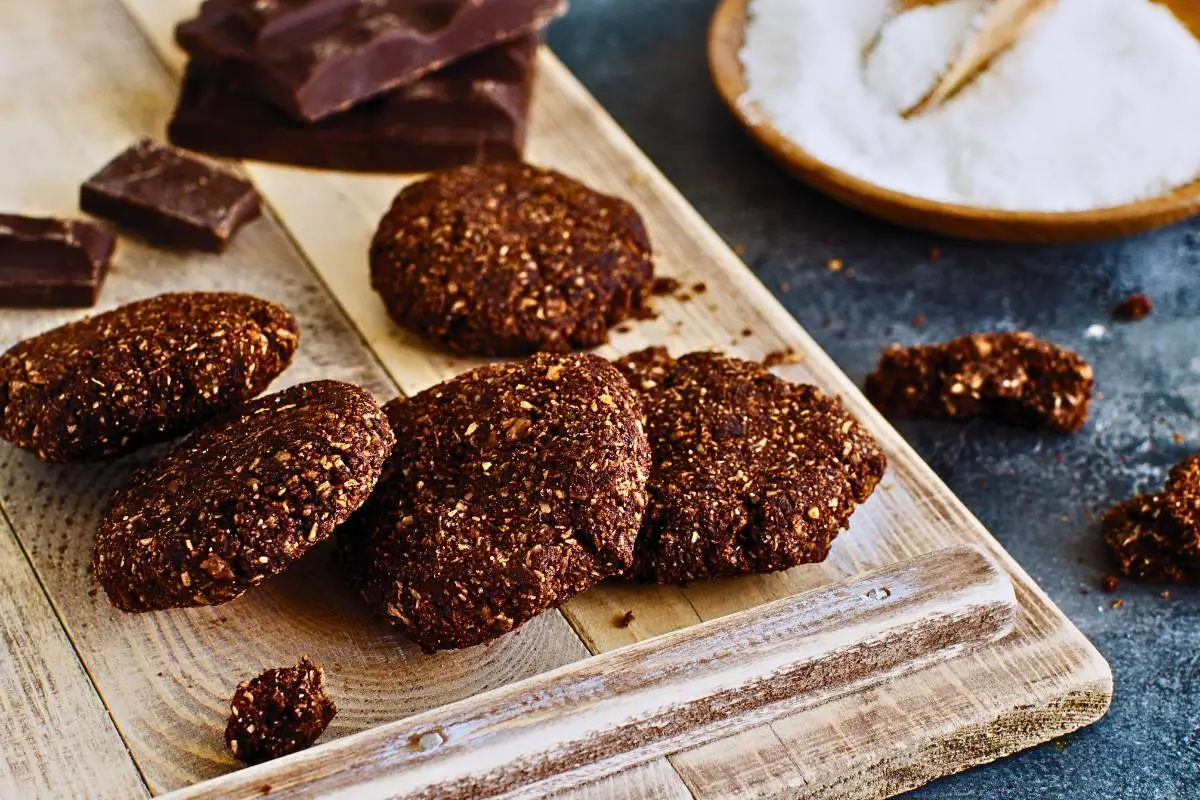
pixel 629 706
pixel 56 738
pixel 725 42
pixel 1042 680
pixel 88 86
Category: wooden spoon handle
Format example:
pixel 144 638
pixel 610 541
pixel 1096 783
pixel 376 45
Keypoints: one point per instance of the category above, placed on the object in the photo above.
pixel 599 716
pixel 1003 23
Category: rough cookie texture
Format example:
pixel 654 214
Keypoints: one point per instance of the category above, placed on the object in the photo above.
pixel 1156 537
pixel 281 711
pixel 242 498
pixel 510 259
pixel 518 486
pixel 750 473
pixel 140 374
pixel 1013 377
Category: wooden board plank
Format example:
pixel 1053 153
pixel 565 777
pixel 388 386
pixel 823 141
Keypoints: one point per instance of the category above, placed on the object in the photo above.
pixel 1044 679
pixel 56 738
pixel 597 717
pixel 82 84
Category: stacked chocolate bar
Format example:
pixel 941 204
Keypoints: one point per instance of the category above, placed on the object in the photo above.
pixel 363 85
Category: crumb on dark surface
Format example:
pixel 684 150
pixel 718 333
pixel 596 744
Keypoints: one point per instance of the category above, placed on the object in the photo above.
pixel 624 620
pixel 1013 377
pixel 1110 583
pixel 281 711
pixel 834 265
pixel 784 287
pixel 918 321
pixel 935 253
pixel 1156 537
pixel 739 249
pixel 1118 603
pixel 1164 595
pixel 1133 308
pixel 664 286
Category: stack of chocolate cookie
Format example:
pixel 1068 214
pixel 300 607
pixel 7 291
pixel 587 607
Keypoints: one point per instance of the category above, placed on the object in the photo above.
pixel 362 85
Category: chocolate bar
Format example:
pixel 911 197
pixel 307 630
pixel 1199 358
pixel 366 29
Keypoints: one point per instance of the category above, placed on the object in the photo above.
pixel 314 58
pixel 52 263
pixel 471 112
pixel 170 197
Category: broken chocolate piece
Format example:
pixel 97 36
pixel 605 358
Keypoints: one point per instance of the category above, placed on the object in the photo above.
pixel 1013 377
pixel 171 197
pixel 1133 308
pixel 339 56
pixel 280 712
pixel 470 113
pixel 1156 537
pixel 52 263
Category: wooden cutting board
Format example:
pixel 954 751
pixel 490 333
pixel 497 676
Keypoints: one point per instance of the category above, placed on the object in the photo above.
pixel 96 703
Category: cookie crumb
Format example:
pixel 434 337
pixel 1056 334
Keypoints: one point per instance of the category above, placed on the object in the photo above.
pixel 784 287
pixel 699 287
pixel 935 253
pixel 834 265
pixel 624 620
pixel 1164 595
pixel 777 358
pixel 739 249
pixel 280 712
pixel 747 333
pixel 265 789
pixel 1110 583
pixel 664 286
pixel 1133 308
pixel 1118 603
pixel 1177 438
pixel 918 321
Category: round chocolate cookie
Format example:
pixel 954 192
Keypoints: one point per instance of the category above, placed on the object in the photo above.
pixel 242 498
pixel 509 259
pixel 519 486
pixel 751 473
pixel 140 374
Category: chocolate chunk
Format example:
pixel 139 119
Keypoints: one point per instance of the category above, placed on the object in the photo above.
pixel 241 499
pixel 281 711
pixel 140 374
pixel 509 259
pixel 171 197
pixel 751 473
pixel 342 54
pixel 1013 377
pixel 1156 537
pixel 470 113
pixel 518 486
pixel 52 263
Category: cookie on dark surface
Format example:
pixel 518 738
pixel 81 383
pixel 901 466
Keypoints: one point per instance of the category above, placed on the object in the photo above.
pixel 242 498
pixel 1012 377
pixel 1156 537
pixel 279 712
pixel 751 473
pixel 510 259
pixel 518 486
pixel 140 374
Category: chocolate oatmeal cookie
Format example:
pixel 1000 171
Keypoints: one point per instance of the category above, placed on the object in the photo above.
pixel 518 486
pixel 750 473
pixel 281 711
pixel 242 498
pixel 1156 537
pixel 1013 377
pixel 509 259
pixel 140 374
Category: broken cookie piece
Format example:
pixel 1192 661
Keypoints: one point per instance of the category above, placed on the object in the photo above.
pixel 750 473
pixel 1013 377
pixel 1156 537
pixel 281 711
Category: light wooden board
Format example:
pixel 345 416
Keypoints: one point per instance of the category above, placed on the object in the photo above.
pixel 83 84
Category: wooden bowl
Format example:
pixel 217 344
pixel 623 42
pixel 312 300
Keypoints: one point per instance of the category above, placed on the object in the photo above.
pixel 726 35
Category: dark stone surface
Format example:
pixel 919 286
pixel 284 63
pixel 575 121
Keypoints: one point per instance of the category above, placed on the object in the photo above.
pixel 1040 495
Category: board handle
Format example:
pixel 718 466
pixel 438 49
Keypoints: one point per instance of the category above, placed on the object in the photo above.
pixel 596 717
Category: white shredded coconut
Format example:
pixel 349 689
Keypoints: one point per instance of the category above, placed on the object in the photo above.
pixel 1097 105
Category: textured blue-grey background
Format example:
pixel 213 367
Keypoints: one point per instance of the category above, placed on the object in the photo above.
pixel 1040 495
